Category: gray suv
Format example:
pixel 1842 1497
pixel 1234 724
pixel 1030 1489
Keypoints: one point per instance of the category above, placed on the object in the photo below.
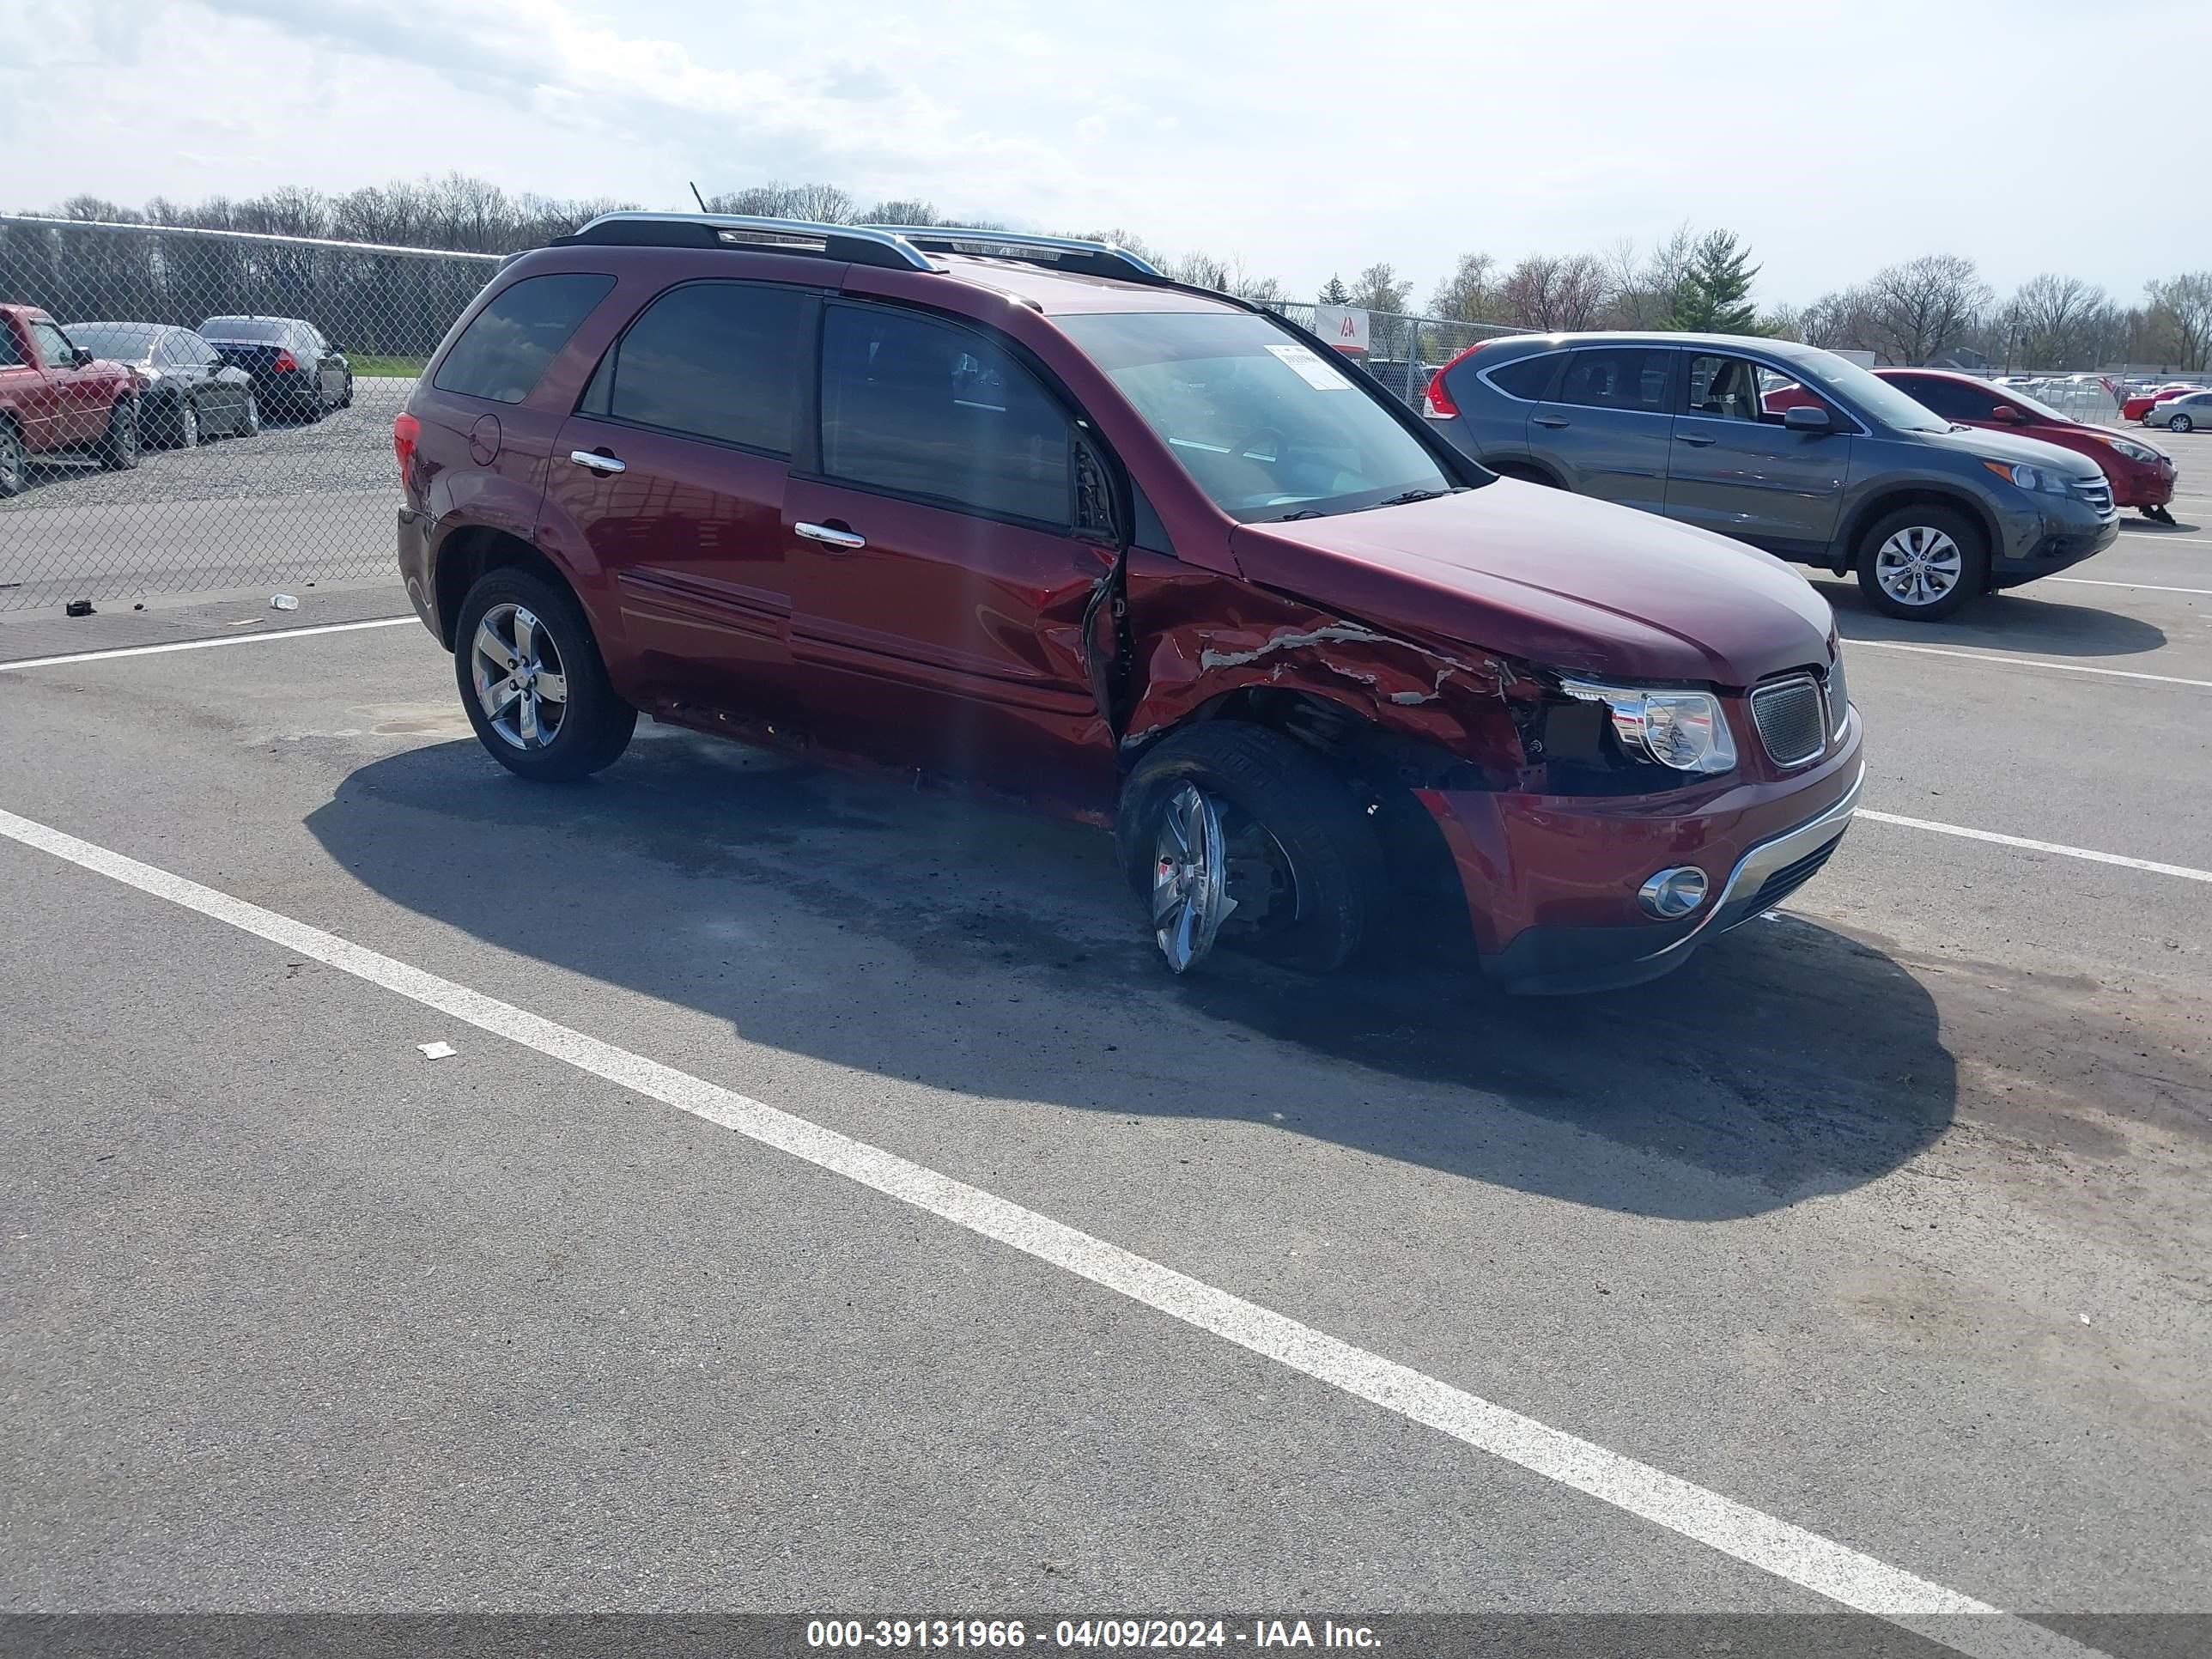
pixel 1792 449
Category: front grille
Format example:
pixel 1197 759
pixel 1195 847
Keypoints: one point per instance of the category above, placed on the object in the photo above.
pixel 1840 697
pixel 1790 719
pixel 2098 494
pixel 1789 877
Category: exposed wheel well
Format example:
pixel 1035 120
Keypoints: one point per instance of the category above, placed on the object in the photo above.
pixel 1386 767
pixel 1847 545
pixel 467 554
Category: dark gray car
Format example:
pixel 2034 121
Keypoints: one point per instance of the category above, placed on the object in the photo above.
pixel 1792 449
pixel 190 392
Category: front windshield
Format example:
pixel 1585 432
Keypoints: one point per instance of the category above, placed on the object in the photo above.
pixel 118 343
pixel 2018 398
pixel 1268 426
pixel 1871 393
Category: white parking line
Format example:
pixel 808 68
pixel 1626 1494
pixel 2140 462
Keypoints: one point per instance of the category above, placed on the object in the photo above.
pixel 204 645
pixel 2023 662
pixel 1750 1535
pixel 2059 847
pixel 2148 587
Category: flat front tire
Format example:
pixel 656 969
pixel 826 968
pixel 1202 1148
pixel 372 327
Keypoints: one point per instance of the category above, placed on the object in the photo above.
pixel 118 448
pixel 532 682
pixel 1234 834
pixel 1922 562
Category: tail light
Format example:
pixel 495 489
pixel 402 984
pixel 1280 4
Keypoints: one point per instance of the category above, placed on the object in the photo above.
pixel 285 363
pixel 405 428
pixel 1438 402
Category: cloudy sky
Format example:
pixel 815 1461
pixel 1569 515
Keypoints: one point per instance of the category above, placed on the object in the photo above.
pixel 1835 135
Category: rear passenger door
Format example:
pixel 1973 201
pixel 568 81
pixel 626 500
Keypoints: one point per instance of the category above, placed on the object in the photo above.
pixel 938 577
pixel 1737 469
pixel 1607 426
pixel 674 468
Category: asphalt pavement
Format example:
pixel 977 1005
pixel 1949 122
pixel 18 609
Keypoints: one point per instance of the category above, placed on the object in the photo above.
pixel 1881 1224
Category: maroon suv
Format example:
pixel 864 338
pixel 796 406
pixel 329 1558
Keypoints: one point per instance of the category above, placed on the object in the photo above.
pixel 1023 515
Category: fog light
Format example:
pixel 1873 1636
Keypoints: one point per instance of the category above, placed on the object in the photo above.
pixel 1673 894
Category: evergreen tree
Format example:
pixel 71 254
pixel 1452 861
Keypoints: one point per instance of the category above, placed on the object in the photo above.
pixel 1336 294
pixel 1714 295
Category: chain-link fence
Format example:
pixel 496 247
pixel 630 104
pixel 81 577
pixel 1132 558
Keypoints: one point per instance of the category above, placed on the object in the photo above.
pixel 264 373
pixel 261 375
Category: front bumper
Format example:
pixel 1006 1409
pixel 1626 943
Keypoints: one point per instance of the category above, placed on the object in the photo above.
pixel 1551 881
pixel 2065 537
pixel 2141 485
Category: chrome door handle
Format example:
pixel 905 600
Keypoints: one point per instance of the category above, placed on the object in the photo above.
pixel 597 462
pixel 1692 439
pixel 1551 420
pixel 830 535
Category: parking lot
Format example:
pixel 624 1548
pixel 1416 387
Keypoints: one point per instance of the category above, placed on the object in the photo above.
pixel 824 1167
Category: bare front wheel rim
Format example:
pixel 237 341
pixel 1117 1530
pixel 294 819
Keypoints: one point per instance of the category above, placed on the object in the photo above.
pixel 1190 868
pixel 521 683
pixel 1919 565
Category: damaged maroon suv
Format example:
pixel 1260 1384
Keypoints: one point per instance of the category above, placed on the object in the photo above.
pixel 1022 516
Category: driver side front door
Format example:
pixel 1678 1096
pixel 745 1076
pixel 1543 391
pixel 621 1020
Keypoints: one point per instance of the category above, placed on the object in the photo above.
pixel 1735 467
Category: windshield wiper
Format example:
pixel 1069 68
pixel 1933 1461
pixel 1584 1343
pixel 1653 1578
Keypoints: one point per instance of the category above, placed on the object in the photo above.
pixel 1302 512
pixel 1410 496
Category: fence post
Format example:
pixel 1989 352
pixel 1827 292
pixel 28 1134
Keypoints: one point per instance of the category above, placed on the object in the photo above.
pixel 1413 363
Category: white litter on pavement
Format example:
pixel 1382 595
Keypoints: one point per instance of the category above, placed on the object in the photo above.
pixel 437 1050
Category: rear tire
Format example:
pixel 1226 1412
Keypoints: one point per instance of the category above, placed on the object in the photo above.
pixel 1303 860
pixel 118 450
pixel 593 726
pixel 249 417
pixel 184 425
pixel 345 400
pixel 1922 563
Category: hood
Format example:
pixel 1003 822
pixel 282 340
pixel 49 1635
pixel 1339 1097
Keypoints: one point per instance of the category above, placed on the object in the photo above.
pixel 1984 444
pixel 1554 580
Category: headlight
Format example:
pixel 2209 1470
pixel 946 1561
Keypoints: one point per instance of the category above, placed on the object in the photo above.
pixel 2040 479
pixel 2134 451
pixel 1684 730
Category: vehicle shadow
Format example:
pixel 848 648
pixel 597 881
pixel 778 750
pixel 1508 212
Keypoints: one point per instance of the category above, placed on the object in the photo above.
pixel 998 957
pixel 2150 532
pixel 2023 620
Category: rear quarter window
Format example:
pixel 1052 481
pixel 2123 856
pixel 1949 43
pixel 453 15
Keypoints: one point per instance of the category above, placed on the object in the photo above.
pixel 11 355
pixel 1527 377
pixel 506 348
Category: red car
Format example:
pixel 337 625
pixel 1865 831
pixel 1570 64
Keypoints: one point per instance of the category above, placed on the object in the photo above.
pixel 1024 516
pixel 2136 405
pixel 57 399
pixel 2141 473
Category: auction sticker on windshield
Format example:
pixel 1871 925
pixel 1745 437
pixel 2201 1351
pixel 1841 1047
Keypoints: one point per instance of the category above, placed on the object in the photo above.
pixel 1310 367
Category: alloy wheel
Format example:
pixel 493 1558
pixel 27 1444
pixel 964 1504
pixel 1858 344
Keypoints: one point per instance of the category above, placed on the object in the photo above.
pixel 2180 423
pixel 1918 565
pixel 1190 868
pixel 188 426
pixel 11 462
pixel 520 684
pixel 252 420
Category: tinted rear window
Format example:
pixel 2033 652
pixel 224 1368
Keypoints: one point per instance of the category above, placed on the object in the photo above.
pixel 714 360
pixel 506 348
pixel 1618 377
pixel 1526 379
pixel 259 329
pixel 117 343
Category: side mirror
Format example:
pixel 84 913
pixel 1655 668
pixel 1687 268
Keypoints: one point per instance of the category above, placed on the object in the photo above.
pixel 2008 414
pixel 1807 418
pixel 80 356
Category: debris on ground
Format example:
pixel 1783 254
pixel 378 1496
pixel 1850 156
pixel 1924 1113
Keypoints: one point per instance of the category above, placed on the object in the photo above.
pixel 282 602
pixel 437 1050
pixel 77 608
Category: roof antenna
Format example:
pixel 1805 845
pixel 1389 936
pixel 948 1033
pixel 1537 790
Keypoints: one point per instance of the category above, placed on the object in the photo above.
pixel 698 197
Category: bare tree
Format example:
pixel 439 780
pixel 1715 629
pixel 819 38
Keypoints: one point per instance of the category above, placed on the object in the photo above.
pixel 1640 291
pixel 1380 288
pixel 1837 321
pixel 1469 295
pixel 2179 318
pixel 2061 319
pixel 1553 293
pixel 1921 308
pixel 921 213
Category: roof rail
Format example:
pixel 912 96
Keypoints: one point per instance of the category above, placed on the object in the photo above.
pixel 1061 253
pixel 858 245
